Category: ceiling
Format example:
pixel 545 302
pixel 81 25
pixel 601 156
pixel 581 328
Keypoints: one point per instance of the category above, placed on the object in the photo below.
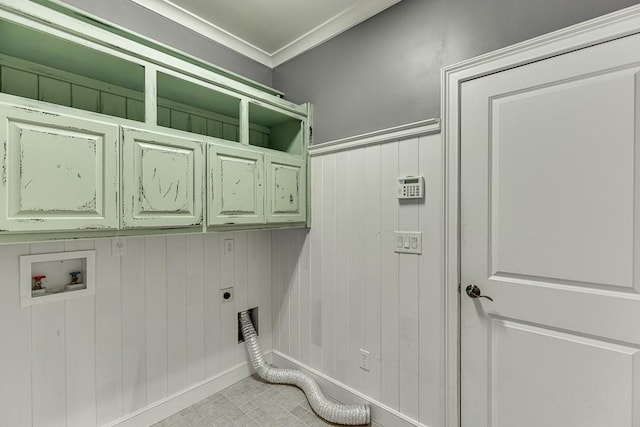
pixel 268 31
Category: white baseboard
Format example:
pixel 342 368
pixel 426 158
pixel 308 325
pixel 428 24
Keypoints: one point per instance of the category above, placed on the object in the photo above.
pixel 380 413
pixel 175 403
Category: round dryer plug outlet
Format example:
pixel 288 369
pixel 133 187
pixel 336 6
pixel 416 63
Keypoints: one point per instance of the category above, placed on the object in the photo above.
pixel 226 295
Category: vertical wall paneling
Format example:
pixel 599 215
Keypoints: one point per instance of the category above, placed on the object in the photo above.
pixel 212 286
pixel 355 291
pixel 264 277
pixel 254 267
pixel 48 349
pixel 327 264
pixel 134 349
pixel 259 282
pixel 285 273
pixel 155 260
pixel 431 283
pixel 315 265
pixel 156 326
pixel 305 298
pixel 293 238
pixel 241 264
pixel 228 315
pixel 341 279
pixel 276 279
pixel 176 276
pixel 48 341
pixel 15 334
pixel 372 268
pixel 108 336
pixel 80 352
pixel 255 279
pixel 195 308
pixel 389 369
pixel 356 255
pixel 240 274
pixel 409 289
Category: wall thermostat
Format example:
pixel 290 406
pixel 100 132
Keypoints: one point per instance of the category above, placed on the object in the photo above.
pixel 411 187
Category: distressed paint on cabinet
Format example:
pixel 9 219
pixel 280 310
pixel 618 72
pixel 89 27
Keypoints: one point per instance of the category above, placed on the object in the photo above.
pixel 161 180
pixel 239 200
pixel 339 286
pixel 97 359
pixel 235 190
pixel 58 171
pixel 286 189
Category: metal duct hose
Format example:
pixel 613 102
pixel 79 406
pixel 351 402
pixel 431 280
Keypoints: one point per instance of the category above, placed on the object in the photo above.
pixel 330 411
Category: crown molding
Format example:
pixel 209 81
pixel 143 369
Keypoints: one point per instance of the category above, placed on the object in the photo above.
pixel 205 28
pixel 351 17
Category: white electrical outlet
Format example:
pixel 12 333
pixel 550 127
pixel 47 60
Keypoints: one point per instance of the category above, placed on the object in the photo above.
pixel 365 363
pixel 228 246
pixel 118 246
pixel 408 242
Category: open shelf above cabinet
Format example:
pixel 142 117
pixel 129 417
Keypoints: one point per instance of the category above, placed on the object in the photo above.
pixel 43 67
pixel 281 131
pixel 183 105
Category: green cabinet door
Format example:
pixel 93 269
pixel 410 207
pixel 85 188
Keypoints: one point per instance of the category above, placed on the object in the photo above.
pixel 59 172
pixel 161 180
pixel 286 189
pixel 235 186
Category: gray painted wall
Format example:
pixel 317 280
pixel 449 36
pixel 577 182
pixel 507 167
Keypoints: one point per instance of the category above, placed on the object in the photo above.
pixel 386 71
pixel 142 21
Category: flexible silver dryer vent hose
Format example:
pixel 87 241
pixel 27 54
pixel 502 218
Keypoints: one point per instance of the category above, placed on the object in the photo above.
pixel 330 411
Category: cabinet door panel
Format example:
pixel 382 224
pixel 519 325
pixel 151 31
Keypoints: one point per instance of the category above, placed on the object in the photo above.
pixel 58 172
pixel 235 186
pixel 286 189
pixel 161 179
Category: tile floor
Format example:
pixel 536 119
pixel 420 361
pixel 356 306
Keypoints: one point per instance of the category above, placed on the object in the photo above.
pixel 250 402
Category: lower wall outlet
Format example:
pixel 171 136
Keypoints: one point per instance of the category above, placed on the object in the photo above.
pixel 253 315
pixel 365 363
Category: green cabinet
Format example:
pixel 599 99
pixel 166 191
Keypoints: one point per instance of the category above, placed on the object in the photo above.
pixel 235 191
pixel 286 189
pixel 251 187
pixel 59 172
pixel 102 135
pixel 161 180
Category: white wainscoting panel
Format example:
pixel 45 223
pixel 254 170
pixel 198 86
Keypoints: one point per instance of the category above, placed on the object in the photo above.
pixel 154 330
pixel 15 332
pixel 348 289
pixel 156 336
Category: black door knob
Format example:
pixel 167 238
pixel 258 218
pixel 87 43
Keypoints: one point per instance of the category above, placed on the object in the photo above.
pixel 474 292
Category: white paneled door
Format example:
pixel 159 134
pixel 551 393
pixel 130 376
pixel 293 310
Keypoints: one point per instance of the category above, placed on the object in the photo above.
pixel 550 202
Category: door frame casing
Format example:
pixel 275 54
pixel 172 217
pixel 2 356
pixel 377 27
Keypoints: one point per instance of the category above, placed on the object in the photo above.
pixel 599 30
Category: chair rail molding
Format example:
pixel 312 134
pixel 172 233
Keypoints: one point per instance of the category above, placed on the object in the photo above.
pixel 410 130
